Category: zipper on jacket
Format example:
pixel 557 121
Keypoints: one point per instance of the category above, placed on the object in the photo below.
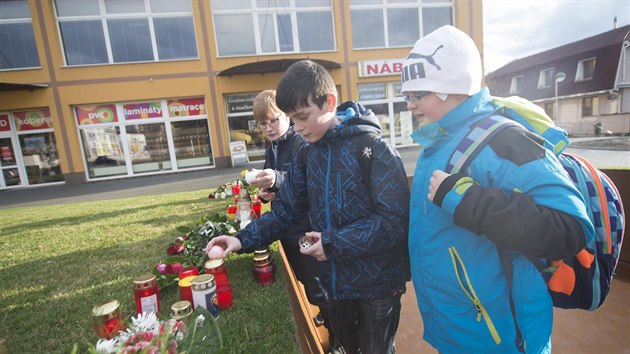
pixel 460 269
pixel 328 222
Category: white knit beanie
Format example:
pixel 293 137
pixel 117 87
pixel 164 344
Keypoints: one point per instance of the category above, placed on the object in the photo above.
pixel 444 61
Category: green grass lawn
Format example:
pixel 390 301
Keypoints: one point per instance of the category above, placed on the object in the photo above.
pixel 58 262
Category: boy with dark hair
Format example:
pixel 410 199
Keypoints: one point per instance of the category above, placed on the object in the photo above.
pixel 284 143
pixel 359 220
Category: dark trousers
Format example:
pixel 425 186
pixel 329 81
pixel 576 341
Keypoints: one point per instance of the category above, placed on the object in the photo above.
pixel 366 326
pixel 306 271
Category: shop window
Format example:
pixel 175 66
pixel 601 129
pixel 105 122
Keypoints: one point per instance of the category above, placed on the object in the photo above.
pixel 243 127
pixel 257 27
pixel 545 79
pixel 396 23
pixel 17 39
pixel 585 70
pixel 128 139
pixel 40 158
pixel 386 101
pixel 99 31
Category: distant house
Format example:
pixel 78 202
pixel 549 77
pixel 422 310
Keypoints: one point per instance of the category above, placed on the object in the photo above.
pixel 592 77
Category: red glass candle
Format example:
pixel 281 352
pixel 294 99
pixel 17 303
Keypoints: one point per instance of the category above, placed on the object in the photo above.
pixel 264 269
pixel 188 271
pixel 231 212
pixel 217 268
pixel 236 189
pixel 147 294
pixel 108 319
pixel 185 289
pixel 257 207
pixel 224 296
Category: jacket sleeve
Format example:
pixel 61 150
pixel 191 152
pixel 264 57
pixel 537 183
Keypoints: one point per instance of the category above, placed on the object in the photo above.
pixel 386 224
pixel 527 203
pixel 289 206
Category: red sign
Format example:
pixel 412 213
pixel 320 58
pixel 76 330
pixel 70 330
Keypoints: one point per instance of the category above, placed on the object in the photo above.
pixel 4 123
pixel 185 107
pixel 33 120
pixel 96 114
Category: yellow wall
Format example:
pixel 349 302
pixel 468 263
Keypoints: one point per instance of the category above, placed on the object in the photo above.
pixel 115 83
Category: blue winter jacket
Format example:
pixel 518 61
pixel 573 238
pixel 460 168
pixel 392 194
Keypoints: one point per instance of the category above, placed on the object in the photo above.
pixel 515 195
pixel 363 219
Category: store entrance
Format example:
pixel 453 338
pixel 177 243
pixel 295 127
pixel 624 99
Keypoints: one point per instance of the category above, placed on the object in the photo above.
pixel 10 173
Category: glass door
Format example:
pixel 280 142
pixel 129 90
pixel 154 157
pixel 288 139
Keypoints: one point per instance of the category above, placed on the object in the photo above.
pixel 10 173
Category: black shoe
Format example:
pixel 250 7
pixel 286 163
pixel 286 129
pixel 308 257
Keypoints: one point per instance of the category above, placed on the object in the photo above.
pixel 337 349
pixel 319 320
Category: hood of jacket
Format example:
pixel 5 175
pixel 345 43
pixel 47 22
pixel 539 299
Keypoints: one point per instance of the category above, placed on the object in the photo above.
pixel 354 119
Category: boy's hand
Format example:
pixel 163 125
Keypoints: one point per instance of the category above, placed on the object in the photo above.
pixel 265 179
pixel 434 182
pixel 265 194
pixel 317 249
pixel 227 244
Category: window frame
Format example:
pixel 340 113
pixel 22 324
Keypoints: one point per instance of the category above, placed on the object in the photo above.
pixel 103 18
pixel 23 20
pixel 516 86
pixel 593 110
pixel 541 78
pixel 255 12
pixel 418 5
pixel 579 73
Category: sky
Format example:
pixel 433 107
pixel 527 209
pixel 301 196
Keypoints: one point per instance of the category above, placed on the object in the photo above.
pixel 514 29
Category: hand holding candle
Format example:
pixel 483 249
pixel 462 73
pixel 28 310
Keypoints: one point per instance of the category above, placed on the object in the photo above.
pixel 316 248
pixel 227 243
pixel 215 252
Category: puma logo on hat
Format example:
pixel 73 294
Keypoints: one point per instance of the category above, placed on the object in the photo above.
pixel 428 58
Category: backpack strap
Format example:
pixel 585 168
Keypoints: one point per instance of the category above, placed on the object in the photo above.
pixel 480 134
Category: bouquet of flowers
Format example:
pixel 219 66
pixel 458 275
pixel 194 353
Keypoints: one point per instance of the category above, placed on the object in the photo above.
pixel 148 335
pixel 187 250
pixel 225 190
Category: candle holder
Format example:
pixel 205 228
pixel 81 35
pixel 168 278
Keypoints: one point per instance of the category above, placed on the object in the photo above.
pixel 217 268
pixel 264 269
pixel 257 207
pixel 146 294
pixel 244 206
pixel 181 311
pixel 224 296
pixel 185 289
pixel 108 319
pixel 236 189
pixel 231 212
pixel 204 293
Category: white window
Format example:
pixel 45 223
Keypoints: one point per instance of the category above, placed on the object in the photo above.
pixel 546 78
pixel 585 70
pixel 107 31
pixel 250 27
pixel 17 39
pixel 517 84
pixel 396 23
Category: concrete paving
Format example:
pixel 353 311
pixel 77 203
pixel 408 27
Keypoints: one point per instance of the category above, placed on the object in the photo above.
pixel 211 178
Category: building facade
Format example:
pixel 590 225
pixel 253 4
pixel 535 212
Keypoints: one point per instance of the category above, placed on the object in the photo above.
pixel 100 89
pixel 584 86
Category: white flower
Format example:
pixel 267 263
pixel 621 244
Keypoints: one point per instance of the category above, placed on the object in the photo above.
pixel 145 322
pixel 107 346
pixel 199 320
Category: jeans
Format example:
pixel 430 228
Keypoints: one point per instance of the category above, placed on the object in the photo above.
pixel 366 326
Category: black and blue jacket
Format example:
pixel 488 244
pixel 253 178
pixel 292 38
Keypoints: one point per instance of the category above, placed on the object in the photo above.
pixel 363 219
pixel 288 146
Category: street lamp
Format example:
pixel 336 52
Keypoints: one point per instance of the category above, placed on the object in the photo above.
pixel 558 78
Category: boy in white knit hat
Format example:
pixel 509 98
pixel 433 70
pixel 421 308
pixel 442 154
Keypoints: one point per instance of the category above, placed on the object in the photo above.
pixel 513 199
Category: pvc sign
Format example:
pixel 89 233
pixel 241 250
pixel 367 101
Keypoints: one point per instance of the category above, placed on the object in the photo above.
pixel 142 110
pixel 185 107
pixel 4 123
pixel 96 114
pixel 33 120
